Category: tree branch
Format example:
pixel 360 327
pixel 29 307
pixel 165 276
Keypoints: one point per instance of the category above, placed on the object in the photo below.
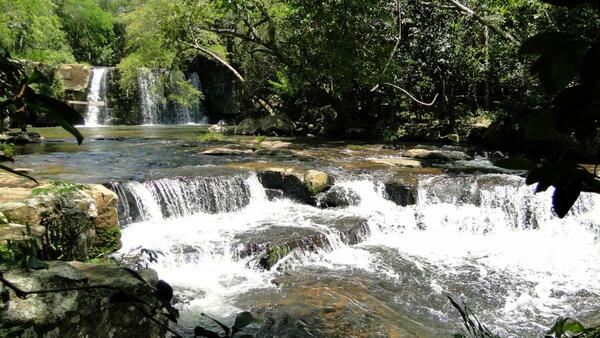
pixel 458 6
pixel 411 96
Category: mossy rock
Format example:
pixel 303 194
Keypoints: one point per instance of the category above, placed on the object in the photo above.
pixel 108 240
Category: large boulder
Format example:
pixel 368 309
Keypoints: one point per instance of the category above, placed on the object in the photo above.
pixel 296 185
pixel 248 126
pixel 81 224
pixel 277 125
pixel 83 312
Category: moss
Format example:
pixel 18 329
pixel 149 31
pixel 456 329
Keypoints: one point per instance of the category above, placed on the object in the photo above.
pixel 273 255
pixel 108 240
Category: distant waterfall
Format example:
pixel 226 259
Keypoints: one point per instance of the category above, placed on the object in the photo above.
pixel 96 111
pixel 157 109
pixel 150 96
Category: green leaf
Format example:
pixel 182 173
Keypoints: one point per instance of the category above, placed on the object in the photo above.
pixel 223 326
pixel 515 164
pixel 590 68
pixel 35 264
pixel 542 126
pixel 545 42
pixel 36 77
pixel 564 197
pixel 199 331
pixel 18 173
pixel 40 191
pixel 64 115
pixel 242 320
pixel 164 291
pixel 573 326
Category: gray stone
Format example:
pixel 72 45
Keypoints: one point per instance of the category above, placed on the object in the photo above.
pixel 79 313
pixel 337 197
pixel 401 193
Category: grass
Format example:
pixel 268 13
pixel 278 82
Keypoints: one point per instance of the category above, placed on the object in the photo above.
pixel 260 139
pixel 211 137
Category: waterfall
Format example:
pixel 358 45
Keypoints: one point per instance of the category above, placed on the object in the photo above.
pixel 156 109
pixel 488 237
pixel 150 92
pixel 181 196
pixel 96 111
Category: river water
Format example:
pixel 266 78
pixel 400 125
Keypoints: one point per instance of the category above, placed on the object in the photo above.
pixel 373 268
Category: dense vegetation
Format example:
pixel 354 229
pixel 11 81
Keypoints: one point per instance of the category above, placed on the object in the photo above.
pixel 337 64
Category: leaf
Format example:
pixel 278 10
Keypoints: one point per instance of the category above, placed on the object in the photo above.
pixel 202 332
pixel 590 68
pixel 18 173
pixel 36 264
pixel 242 320
pixel 545 42
pixel 515 164
pixel 64 115
pixel 572 326
pixel 564 197
pixel 164 291
pixel 137 276
pixel 36 77
pixel 542 126
pixel 223 326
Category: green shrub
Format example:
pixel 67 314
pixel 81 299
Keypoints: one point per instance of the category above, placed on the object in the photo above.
pixel 211 137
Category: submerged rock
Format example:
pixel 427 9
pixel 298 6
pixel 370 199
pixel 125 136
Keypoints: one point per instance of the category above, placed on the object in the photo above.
pixel 223 151
pixel 272 244
pixel 442 155
pixel 78 313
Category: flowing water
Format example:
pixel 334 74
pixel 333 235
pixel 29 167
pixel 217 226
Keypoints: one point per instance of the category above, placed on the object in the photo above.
pixel 96 111
pixel 373 268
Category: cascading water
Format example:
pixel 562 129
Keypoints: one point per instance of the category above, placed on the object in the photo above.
pixel 487 239
pixel 156 109
pixel 96 111
pixel 150 96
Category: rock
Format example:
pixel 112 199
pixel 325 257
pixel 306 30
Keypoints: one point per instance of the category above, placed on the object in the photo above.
pixel 81 224
pixel 74 77
pixel 17 232
pixel 108 233
pixel 288 181
pixel 276 144
pixel 277 125
pixel 78 313
pixel 273 194
pixel 22 137
pixel 274 243
pixel 337 197
pixel 317 181
pixel 399 162
pixel 222 151
pixel 352 230
pixel 248 126
pixel 443 155
pixel 217 128
pixel 400 193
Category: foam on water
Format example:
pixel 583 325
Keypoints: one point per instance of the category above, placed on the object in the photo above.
pixel 489 236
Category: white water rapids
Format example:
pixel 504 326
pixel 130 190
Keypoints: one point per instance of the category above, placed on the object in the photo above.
pixel 486 239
